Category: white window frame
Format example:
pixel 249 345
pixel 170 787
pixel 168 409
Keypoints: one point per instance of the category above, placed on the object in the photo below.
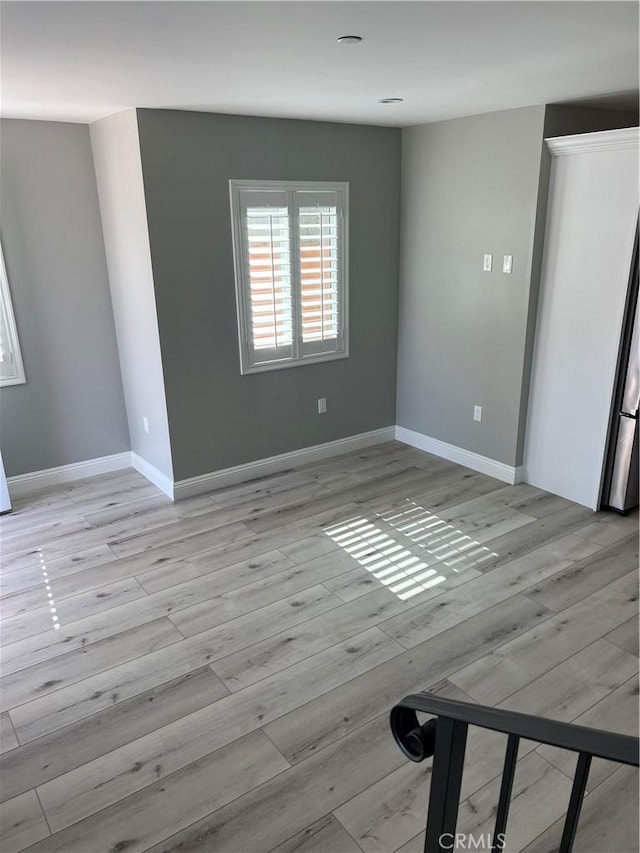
pixel 11 346
pixel 297 357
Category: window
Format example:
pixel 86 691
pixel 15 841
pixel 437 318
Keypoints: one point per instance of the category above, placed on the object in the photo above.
pixel 290 251
pixel 11 367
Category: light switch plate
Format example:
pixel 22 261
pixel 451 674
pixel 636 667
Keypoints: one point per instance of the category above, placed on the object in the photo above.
pixel 487 263
pixel 507 263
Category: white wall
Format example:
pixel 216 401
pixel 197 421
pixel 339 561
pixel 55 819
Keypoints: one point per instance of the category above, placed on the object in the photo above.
pixel 116 154
pixel 591 221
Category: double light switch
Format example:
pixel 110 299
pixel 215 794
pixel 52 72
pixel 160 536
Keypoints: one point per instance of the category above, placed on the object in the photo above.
pixel 507 263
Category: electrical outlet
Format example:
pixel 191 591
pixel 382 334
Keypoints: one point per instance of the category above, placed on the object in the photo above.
pixel 487 263
pixel 322 405
pixel 145 424
pixel 477 413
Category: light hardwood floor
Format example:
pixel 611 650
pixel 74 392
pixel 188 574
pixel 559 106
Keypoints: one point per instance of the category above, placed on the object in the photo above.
pixel 216 674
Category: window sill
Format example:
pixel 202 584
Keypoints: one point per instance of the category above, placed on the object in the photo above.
pixel 299 362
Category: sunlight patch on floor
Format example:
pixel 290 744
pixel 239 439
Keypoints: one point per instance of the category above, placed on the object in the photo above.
pixel 47 585
pixel 408 568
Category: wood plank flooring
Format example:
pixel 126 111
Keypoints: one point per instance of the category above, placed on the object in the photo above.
pixel 216 674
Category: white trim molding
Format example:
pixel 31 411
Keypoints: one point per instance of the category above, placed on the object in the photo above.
pixel 483 464
pixel 22 484
pixel 25 483
pixel 261 467
pixel 164 483
pixel 587 143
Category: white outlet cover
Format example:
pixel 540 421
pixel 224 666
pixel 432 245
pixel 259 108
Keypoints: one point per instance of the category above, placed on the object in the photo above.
pixel 507 263
pixel 487 263
pixel 477 413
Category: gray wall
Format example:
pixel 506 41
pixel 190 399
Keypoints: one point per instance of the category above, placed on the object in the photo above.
pixel 72 407
pixel 217 417
pixel 564 120
pixel 469 186
pixel 118 170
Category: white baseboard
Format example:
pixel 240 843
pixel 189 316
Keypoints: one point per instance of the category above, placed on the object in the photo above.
pixel 491 467
pixel 25 483
pixel 22 484
pixel 164 483
pixel 240 473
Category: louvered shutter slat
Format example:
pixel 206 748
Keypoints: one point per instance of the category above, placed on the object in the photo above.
pixel 319 261
pixel 269 253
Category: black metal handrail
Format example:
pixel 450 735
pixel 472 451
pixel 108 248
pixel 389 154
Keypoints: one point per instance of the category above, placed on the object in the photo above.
pixel 445 738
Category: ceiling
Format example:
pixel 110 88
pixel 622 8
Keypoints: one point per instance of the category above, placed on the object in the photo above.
pixel 80 61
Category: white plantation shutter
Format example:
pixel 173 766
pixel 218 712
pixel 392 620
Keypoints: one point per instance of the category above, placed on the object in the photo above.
pixel 262 243
pixel 291 285
pixel 269 256
pixel 319 227
pixel 11 367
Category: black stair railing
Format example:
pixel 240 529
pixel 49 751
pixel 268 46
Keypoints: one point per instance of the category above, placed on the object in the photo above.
pixel 445 735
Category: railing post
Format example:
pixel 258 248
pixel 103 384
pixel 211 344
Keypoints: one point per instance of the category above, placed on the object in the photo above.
pixel 575 803
pixel 446 780
pixel 506 786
